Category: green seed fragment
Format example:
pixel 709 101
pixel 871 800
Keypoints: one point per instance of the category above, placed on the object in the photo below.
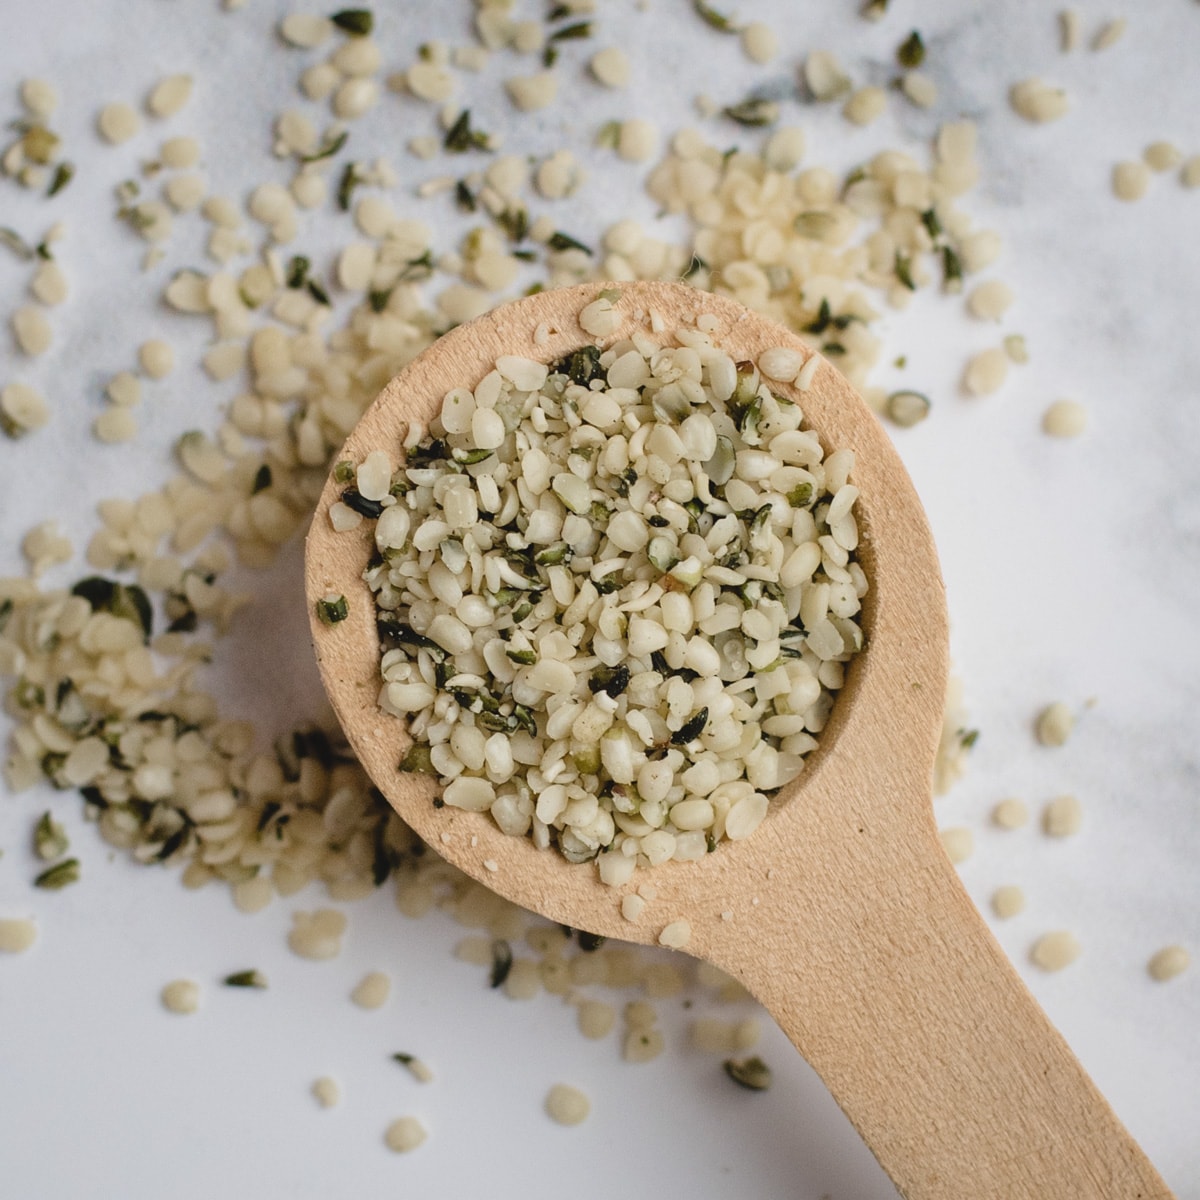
pixel 714 19
pixel 911 52
pixel 357 22
pixel 751 1073
pixel 49 839
pixel 332 610
pixel 245 979
pixel 417 760
pixel 59 876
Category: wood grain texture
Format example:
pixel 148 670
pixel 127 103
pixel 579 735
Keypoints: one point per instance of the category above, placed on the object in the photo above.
pixel 841 913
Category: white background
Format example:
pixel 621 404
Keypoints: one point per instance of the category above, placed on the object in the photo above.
pixel 1071 567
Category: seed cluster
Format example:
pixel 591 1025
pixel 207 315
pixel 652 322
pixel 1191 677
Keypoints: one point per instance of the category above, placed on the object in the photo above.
pixel 615 595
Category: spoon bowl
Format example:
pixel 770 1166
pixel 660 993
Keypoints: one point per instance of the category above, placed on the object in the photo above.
pixel 841 913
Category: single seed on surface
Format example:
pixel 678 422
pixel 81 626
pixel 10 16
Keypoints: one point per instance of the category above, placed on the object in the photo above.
pixel 1109 33
pixel 1190 173
pixel 907 409
pixel 959 844
pixel 637 140
pixel 21 409
pixel 372 991
pixel 1010 814
pixel 179 153
pixel 919 89
pixel 326 1091
pixel 1162 156
pixel 1068 25
pixel 990 300
pixel 611 67
pixel 39 97
pixel 1008 901
pixel 1167 963
pixel 1037 101
pixel 986 372
pixel 1054 724
pixel 567 1105
pixel 865 106
pixel 32 330
pixel 17 934
pixel 1053 951
pixel 531 92
pixel 156 358
pixel 596 1019
pixel 49 284
pixel 305 30
pixel 675 934
pixel 1130 180
pixel 415 1067
pixel 181 996
pixel 404 1134
pixel 1065 419
pixel 169 96
pixel 116 424
pixel 117 123
pixel 1062 816
pixel 760 44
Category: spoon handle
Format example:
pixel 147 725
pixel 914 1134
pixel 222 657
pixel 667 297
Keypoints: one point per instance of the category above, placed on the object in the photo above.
pixel 907 1008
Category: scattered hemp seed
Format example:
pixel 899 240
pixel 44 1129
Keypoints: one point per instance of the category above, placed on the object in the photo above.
pixel 317 935
pixel 611 67
pixel 1065 419
pixel 907 409
pixel 1162 156
pixel 372 991
pixel 910 54
pixel 1109 34
pixel 415 1067
pixel 1189 174
pixel 714 19
pixel 753 112
pixel 1037 101
pixel 1130 180
pixel 1053 951
pixel 327 1092
pixel 919 89
pixel 750 1073
pixel 404 1134
pixel 246 979
pixel 117 123
pixel 986 372
pixel 332 608
pixel 59 876
pixel 1062 817
pixel 676 935
pixel 169 96
pixel 1010 814
pixel 760 44
pixel 1167 963
pixel 181 996
pixel 49 839
pixel 567 1105
pixel 357 22
pixel 959 844
pixel 1054 724
pixel 156 358
pixel 1008 901
pixel 17 934
pixel 1069 29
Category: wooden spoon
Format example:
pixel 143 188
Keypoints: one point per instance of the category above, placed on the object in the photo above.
pixel 841 913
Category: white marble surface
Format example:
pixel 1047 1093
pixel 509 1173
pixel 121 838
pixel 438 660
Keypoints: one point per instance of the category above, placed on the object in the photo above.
pixel 1072 572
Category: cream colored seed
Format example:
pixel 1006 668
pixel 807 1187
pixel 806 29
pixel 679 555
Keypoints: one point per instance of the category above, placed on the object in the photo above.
pixel 637 140
pixel 184 192
pixel 759 42
pixel 326 1092
pixel 567 1105
pixel 22 409
pixel 611 67
pixel 306 31
pixel 1068 25
pixel 1062 817
pixel 39 97
pixel 156 358
pixel 1110 33
pixel 824 76
pixel 169 96
pixel 115 425
pixel 117 123
pixel 358 56
pixel 990 300
pixel 32 330
pixel 1053 951
pixel 372 991
pixel 428 81
pixel 49 284
pixel 404 1134
pixel 355 97
pixel 596 1019
pixel 1130 180
pixel 179 153
pixel 959 844
pixel 17 934
pixel 125 389
pixel 1065 419
pixel 1037 101
pixel 675 934
pixel 1008 901
pixel 1010 814
pixel 1054 724
pixel 531 92
pixel 986 372
pixel 865 106
pixel 181 996
pixel 1167 963
pixel 319 81
pixel 1162 156
pixel 919 89
pixel 1190 174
